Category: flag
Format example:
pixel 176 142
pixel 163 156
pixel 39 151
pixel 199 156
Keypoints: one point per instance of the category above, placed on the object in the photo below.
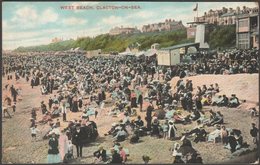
pixel 196 8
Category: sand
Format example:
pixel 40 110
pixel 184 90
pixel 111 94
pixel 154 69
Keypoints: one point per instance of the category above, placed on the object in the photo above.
pixel 18 148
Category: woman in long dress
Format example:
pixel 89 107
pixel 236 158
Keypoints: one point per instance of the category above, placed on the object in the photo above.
pixel 53 152
pixel 80 101
pixel 172 130
pixel 64 145
pixel 75 105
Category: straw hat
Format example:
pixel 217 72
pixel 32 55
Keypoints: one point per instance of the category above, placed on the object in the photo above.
pixel 100 147
pixel 178 111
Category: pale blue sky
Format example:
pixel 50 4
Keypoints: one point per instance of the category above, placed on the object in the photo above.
pixel 36 23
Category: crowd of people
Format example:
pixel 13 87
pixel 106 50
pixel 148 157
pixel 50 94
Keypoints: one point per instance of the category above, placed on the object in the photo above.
pixel 81 84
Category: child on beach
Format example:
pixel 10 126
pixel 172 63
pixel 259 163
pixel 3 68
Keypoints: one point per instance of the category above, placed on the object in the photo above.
pixel 34 131
pixel 14 107
pixel 165 128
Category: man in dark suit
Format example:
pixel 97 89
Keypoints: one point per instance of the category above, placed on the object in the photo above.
pixel 140 102
pixel 77 140
pixel 100 98
pixel 32 82
pixel 43 108
pixel 253 132
pixel 52 85
pixel 148 117
pixel 14 93
pixel 50 103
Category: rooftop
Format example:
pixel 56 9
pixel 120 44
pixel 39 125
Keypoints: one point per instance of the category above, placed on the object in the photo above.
pixel 228 14
pixel 197 22
pixel 180 46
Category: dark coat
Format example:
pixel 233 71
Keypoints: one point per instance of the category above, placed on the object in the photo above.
pixel 75 106
pixel 77 138
pixel 100 97
pixel 50 102
pixel 139 123
pixel 198 104
pixel 32 82
pixel 140 99
pixel 155 129
pixel 149 113
pixel 80 103
pixel 232 142
pixel 53 143
pixel 253 132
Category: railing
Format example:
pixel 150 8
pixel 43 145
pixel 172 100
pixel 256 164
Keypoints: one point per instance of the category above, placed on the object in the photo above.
pixel 253 29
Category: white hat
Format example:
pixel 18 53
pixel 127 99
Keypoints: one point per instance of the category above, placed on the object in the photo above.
pixel 174 103
pixel 171 121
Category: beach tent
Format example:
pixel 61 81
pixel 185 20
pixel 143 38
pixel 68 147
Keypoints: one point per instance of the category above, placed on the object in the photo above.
pixel 126 54
pixel 150 52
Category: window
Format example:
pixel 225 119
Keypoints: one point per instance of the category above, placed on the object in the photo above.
pixel 243 36
pixel 243 41
pixel 243 23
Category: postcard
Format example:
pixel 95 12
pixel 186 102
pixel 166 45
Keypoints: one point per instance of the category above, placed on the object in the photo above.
pixel 130 82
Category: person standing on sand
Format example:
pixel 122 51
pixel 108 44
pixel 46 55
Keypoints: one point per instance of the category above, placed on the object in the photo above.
pixel 75 105
pixel 122 154
pixel 53 152
pixel 77 140
pixel 50 103
pixel 254 132
pixel 51 84
pixel 172 130
pixel 148 117
pixel 43 108
pixel 63 145
pixel 80 103
pixel 14 107
pixel 140 101
pixel 32 82
pixel 14 93
pixel 64 111
pixel 7 101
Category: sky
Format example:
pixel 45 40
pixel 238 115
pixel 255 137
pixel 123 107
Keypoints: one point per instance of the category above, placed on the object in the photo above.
pixel 37 23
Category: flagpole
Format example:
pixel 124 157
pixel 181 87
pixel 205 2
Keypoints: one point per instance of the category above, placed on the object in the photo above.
pixel 197 10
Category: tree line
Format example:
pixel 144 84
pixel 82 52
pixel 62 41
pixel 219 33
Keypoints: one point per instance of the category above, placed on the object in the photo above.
pixel 220 36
